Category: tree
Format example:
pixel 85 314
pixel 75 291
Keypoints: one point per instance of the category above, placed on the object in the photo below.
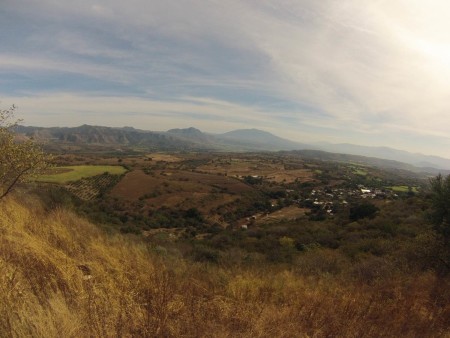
pixel 362 211
pixel 19 160
pixel 440 197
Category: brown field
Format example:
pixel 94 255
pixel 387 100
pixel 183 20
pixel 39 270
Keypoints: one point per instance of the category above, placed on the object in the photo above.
pixel 289 213
pixel 229 184
pixel 290 176
pixel 164 157
pixel 274 172
pixel 135 184
pixel 237 167
pixel 180 189
pixel 183 200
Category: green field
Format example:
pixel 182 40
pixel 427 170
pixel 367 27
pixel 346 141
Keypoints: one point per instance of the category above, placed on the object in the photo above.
pixel 403 188
pixel 74 173
pixel 360 172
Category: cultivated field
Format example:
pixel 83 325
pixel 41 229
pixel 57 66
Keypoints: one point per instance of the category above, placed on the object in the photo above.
pixel 179 189
pixel 272 170
pixel 63 175
pixel 161 157
pixel 285 214
pixel 92 187
pixel 403 188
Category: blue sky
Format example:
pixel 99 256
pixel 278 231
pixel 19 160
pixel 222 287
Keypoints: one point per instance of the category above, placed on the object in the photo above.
pixel 369 72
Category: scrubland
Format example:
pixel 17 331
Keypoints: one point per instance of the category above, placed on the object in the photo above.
pixel 61 276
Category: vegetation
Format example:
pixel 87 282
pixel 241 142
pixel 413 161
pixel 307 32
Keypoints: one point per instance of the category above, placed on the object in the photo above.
pixel 63 276
pixel 19 160
pixel 67 174
pixel 440 215
pixel 440 189
pixel 362 211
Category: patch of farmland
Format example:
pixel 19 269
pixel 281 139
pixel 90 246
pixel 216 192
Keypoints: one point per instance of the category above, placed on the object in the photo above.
pixel 62 175
pixel 220 183
pixel 238 168
pixel 91 187
pixel 136 184
pixel 181 200
pixel 290 176
pixel 403 188
pixel 289 213
pixel 164 157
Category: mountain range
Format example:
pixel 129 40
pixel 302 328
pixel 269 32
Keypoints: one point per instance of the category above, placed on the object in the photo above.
pixel 195 140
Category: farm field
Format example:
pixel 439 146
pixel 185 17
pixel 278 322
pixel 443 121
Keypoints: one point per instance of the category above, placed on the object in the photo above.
pixel 161 157
pixel 403 188
pixel 288 213
pixel 66 174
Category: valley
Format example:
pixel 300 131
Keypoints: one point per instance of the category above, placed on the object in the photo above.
pixel 199 198
pixel 144 241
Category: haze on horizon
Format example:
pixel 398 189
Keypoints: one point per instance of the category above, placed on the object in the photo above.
pixel 364 72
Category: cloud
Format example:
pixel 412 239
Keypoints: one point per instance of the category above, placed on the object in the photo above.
pixel 328 69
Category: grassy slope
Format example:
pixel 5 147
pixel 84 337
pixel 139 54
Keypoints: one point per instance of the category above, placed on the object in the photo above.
pixel 132 291
pixel 78 172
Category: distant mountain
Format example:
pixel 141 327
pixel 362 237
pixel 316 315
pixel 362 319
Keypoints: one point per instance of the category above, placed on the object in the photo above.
pixel 256 139
pixel 106 136
pixel 418 160
pixel 192 134
pixel 367 160
pixel 192 139
pixel 174 139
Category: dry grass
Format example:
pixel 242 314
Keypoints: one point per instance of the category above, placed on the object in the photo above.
pixel 60 276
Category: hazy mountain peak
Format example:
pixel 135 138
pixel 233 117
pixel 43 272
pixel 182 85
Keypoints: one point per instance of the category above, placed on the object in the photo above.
pixel 186 131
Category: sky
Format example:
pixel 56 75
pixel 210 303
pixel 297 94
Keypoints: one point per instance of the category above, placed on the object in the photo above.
pixel 368 72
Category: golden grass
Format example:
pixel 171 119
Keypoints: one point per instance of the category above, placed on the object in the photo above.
pixel 60 276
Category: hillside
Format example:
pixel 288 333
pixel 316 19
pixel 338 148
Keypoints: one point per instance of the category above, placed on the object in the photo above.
pixel 61 276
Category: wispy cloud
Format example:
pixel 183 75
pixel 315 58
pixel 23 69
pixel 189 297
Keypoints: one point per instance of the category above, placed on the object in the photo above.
pixel 372 73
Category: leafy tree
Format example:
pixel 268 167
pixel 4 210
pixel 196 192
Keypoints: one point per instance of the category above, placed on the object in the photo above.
pixel 440 196
pixel 18 160
pixel 362 211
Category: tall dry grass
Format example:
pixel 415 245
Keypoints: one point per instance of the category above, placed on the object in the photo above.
pixel 61 276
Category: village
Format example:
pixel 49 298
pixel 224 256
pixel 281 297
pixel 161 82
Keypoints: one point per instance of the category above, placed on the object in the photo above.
pixel 325 201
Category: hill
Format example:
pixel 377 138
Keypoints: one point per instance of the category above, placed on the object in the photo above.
pixel 61 276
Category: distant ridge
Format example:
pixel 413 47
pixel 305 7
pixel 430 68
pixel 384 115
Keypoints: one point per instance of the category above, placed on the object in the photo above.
pixel 191 134
pixel 236 140
pixel 260 139
pixel 418 160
